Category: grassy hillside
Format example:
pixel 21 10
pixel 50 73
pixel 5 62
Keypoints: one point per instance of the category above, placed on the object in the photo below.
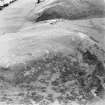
pixel 52 53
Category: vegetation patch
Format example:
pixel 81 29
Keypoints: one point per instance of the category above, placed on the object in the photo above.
pixel 63 77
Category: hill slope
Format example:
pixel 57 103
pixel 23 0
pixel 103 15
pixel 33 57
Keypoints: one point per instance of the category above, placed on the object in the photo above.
pixel 52 52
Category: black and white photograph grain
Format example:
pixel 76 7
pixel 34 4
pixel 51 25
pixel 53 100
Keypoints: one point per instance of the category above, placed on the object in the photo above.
pixel 52 52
